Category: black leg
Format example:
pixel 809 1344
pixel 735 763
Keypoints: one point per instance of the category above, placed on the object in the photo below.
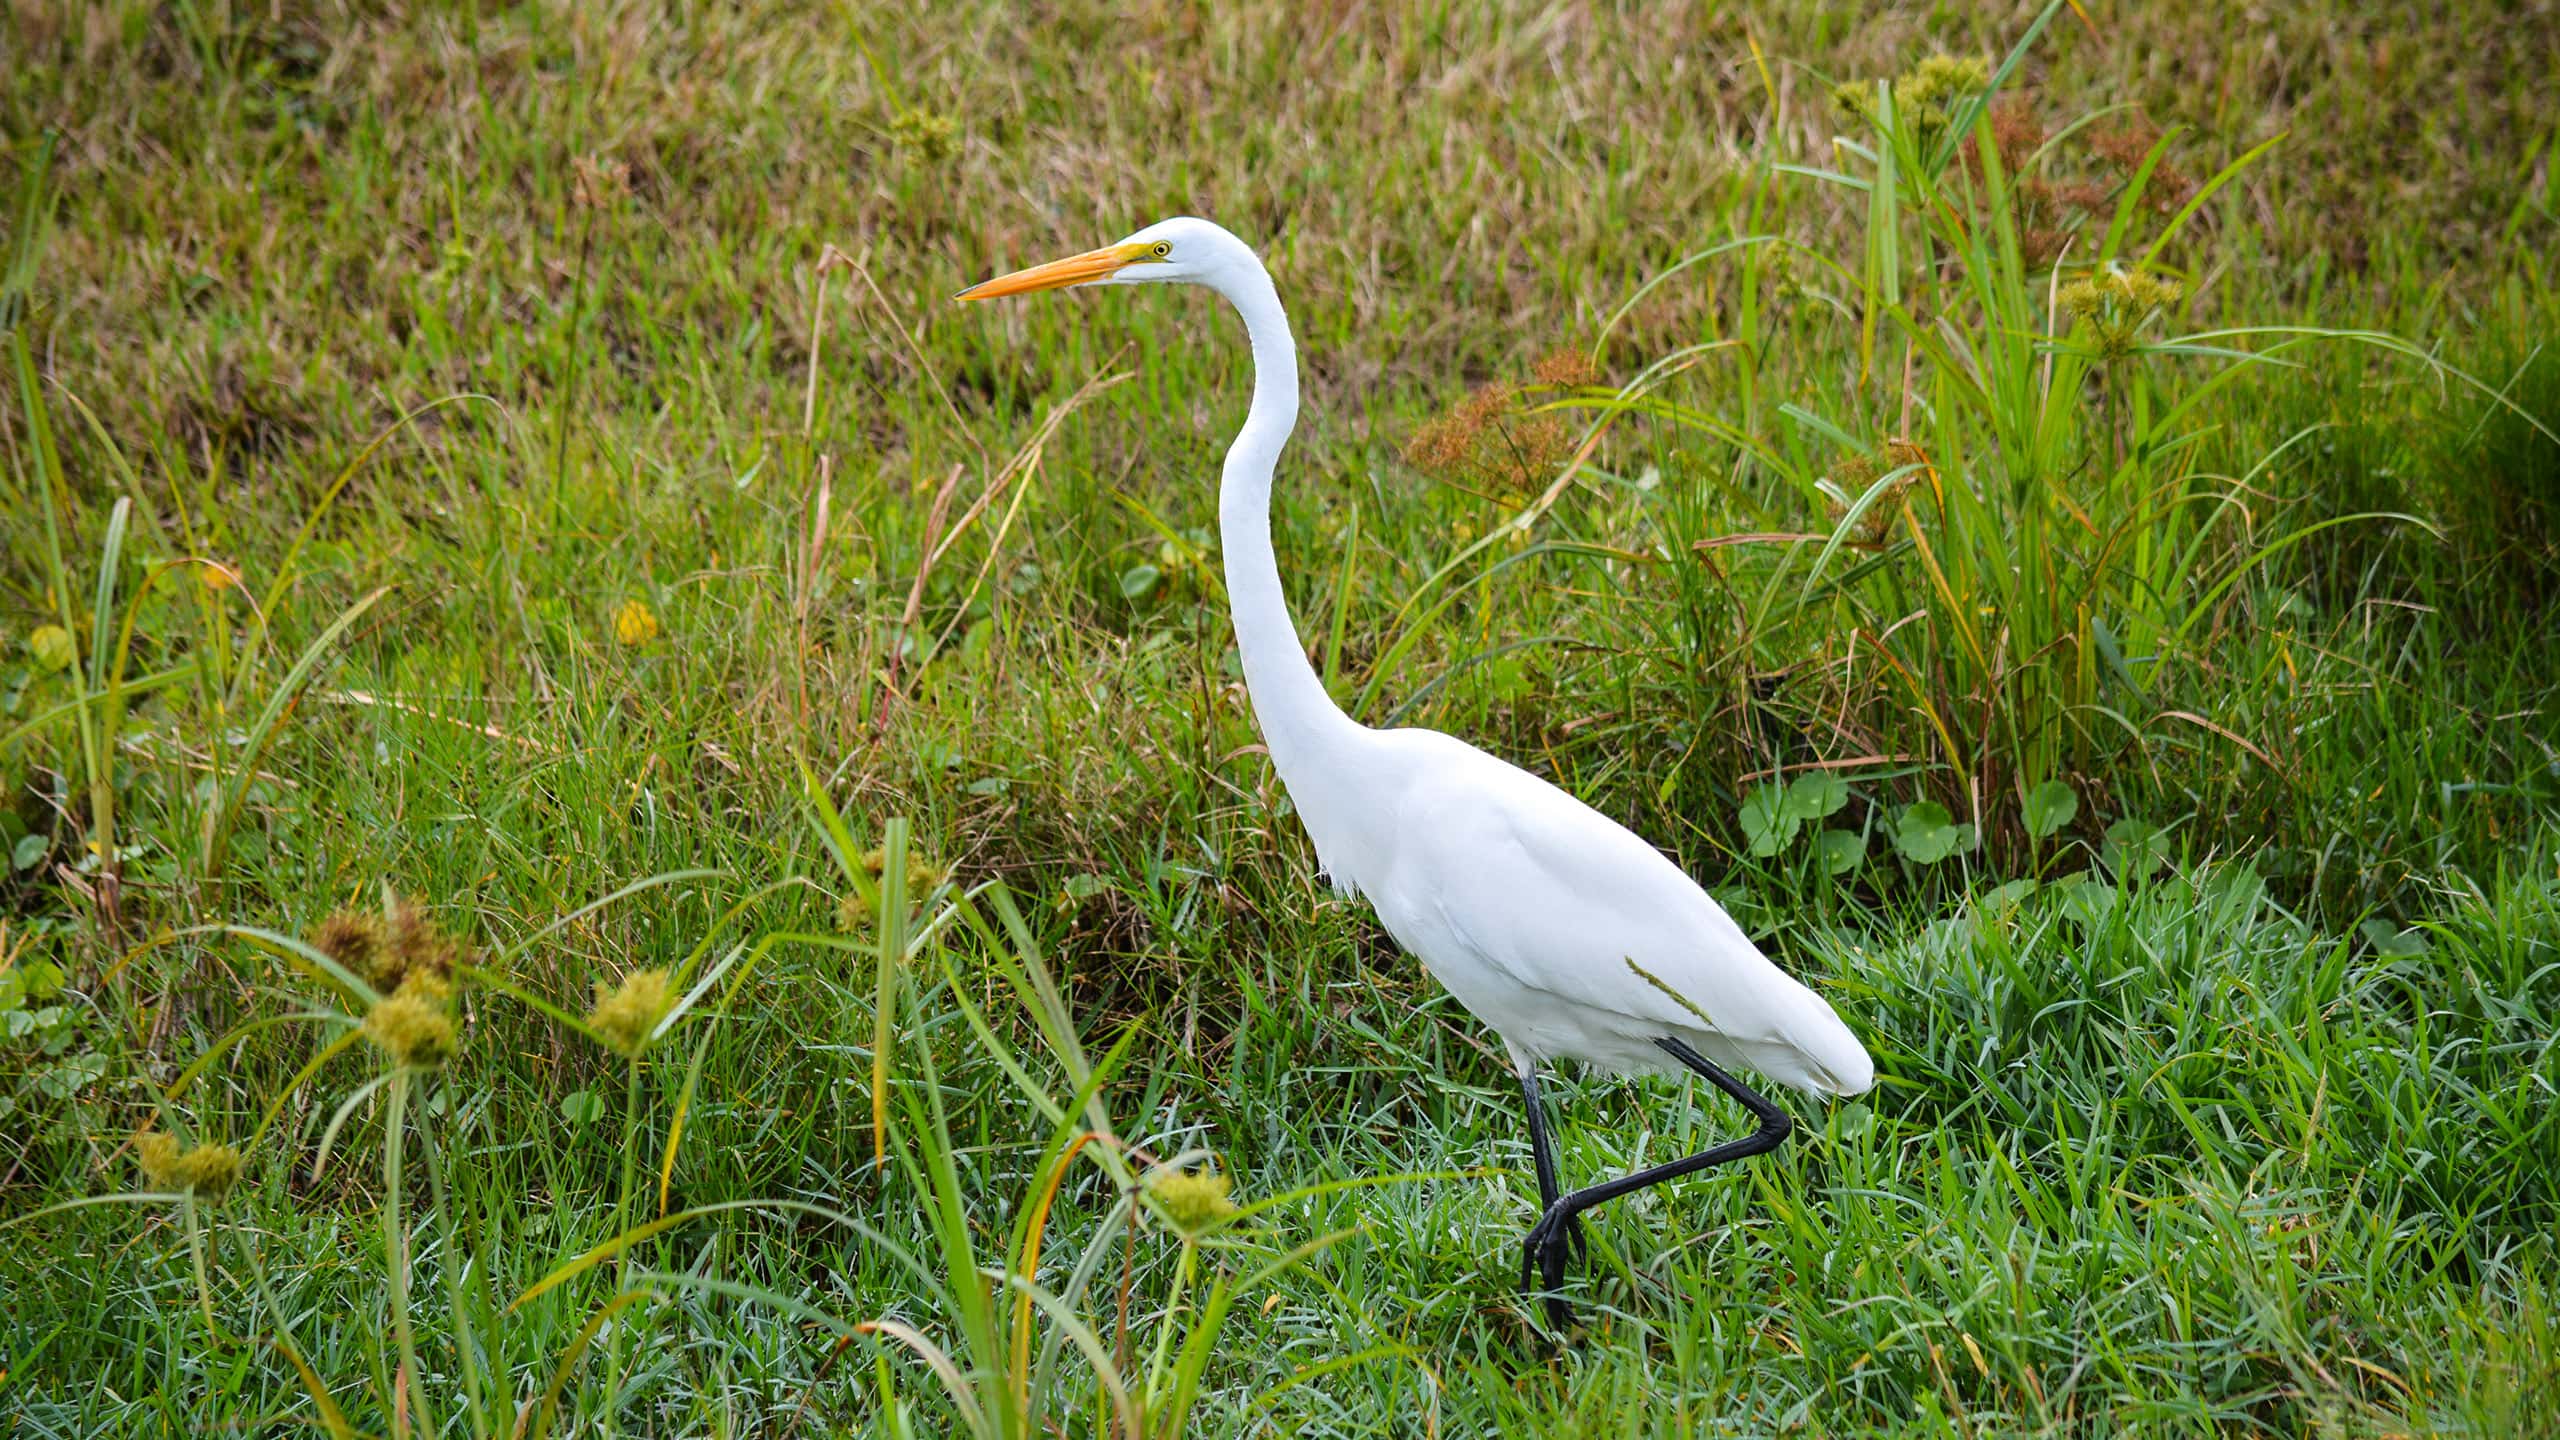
pixel 1542 1149
pixel 1541 1146
pixel 1547 1243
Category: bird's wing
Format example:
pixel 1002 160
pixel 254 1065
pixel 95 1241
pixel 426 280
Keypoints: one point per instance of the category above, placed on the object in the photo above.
pixel 1547 892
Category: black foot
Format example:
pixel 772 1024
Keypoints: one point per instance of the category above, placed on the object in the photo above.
pixel 1555 1239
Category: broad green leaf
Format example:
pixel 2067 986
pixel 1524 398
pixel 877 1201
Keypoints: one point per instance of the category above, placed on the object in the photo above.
pixel 51 647
pixel 2085 902
pixel 2390 941
pixel 2004 898
pixel 1139 581
pixel 2134 848
pixel 1767 822
pixel 2049 807
pixel 1817 795
pixel 1842 850
pixel 1925 834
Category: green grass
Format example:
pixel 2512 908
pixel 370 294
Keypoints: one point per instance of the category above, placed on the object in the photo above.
pixel 450 335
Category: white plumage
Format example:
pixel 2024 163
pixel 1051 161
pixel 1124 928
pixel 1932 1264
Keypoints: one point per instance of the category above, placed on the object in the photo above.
pixel 1525 902
pixel 1529 904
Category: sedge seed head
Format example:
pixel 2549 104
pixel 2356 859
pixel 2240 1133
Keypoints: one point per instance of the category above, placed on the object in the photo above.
pixel 1490 441
pixel 2117 304
pixel 929 136
pixel 207 1170
pixel 353 938
pixel 853 913
pixel 158 1152
pixel 413 945
pixel 1191 1201
pixel 625 1014
pixel 598 181
pixel 412 1026
pixel 1924 96
pixel 922 874
pixel 1566 368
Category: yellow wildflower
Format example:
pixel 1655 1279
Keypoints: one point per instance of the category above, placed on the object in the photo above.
pixel 634 624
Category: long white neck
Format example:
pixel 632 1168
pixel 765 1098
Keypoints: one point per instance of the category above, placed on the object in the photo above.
pixel 1289 702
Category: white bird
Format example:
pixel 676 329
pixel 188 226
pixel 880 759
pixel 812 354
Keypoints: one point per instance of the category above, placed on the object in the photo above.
pixel 1531 907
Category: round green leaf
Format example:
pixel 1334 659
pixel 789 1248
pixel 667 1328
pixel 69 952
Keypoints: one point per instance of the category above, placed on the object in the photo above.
pixel 2049 807
pixel 1139 581
pixel 2134 848
pixel 1817 795
pixel 2005 898
pixel 1842 850
pixel 1767 822
pixel 2085 902
pixel 51 646
pixel 2390 941
pixel 1925 834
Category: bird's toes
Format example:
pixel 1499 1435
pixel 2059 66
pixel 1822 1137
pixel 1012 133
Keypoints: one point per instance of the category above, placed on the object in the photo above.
pixel 1551 1260
pixel 1541 1253
pixel 1559 1313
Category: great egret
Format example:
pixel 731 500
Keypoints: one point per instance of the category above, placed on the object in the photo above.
pixel 1534 909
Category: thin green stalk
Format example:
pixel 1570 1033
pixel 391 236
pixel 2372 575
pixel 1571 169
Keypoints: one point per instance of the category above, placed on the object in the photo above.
pixel 1183 1274
pixel 395 1255
pixel 195 1252
pixel 465 1341
pixel 622 1223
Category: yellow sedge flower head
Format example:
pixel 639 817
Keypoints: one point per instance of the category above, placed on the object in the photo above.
pixel 2117 304
pixel 207 1170
pixel 922 874
pixel 1191 1201
pixel 927 135
pixel 625 1014
pixel 412 1025
pixel 853 913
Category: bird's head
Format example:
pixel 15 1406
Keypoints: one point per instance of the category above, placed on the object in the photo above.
pixel 1181 249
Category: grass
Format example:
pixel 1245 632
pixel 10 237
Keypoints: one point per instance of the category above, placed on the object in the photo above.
pixel 519 461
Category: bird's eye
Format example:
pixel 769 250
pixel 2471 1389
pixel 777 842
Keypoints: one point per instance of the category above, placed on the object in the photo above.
pixel 1162 249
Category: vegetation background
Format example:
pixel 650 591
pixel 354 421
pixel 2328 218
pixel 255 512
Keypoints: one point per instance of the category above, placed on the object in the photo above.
pixel 818 947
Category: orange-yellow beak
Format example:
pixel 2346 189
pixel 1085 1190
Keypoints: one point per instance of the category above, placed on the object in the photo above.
pixel 1081 269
